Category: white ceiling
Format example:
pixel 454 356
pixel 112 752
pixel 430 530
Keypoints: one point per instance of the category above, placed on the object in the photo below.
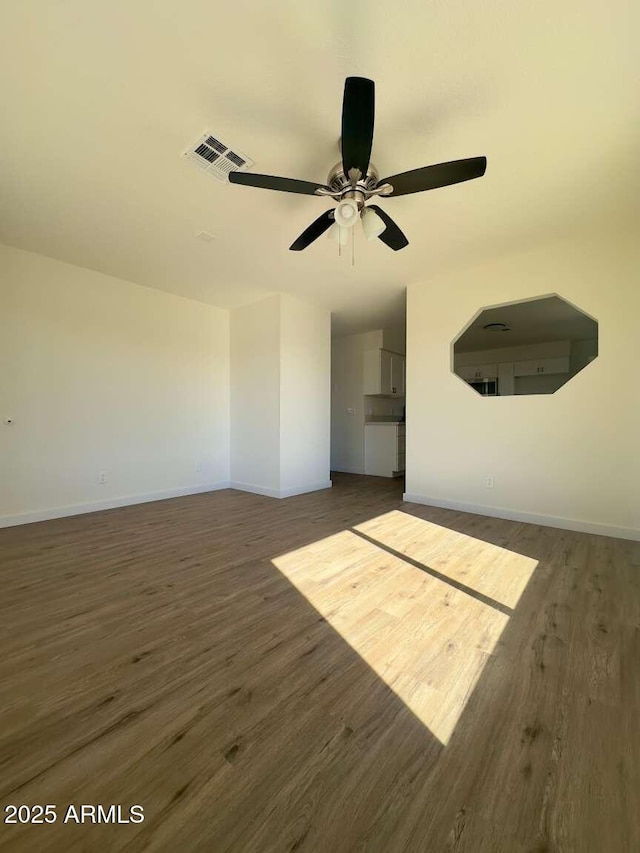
pixel 98 102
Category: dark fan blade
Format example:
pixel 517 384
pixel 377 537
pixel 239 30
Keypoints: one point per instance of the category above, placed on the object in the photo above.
pixel 432 177
pixel 269 182
pixel 315 230
pixel 392 236
pixel 358 108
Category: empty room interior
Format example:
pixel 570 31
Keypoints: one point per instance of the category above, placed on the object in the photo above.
pixel 284 566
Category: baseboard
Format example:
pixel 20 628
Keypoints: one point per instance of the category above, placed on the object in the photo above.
pixel 347 470
pixel 280 493
pixel 108 503
pixel 303 490
pixel 528 517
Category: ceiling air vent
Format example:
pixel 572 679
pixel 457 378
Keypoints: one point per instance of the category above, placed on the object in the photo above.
pixel 215 157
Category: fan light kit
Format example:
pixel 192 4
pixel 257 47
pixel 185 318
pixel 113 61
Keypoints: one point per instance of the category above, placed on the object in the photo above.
pixel 338 235
pixel 346 213
pixel 355 180
pixel 372 224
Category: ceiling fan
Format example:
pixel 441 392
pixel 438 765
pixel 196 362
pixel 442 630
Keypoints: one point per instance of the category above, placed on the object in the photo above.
pixel 355 180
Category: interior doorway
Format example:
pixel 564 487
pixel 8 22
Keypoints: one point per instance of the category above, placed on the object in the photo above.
pixel 368 399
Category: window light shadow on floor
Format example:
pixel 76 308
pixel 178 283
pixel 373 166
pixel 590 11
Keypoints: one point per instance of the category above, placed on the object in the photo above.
pixel 424 606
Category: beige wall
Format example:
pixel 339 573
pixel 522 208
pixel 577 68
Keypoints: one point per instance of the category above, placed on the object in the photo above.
pixel 570 459
pixel 102 375
pixel 305 396
pixel 255 395
pixel 280 404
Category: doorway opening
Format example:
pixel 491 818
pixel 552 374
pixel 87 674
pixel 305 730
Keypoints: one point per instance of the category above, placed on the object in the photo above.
pixel 368 397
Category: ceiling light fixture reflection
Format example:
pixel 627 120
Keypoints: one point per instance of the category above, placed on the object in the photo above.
pixel 496 327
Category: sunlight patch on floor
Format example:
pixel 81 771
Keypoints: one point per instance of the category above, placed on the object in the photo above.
pixel 427 640
pixel 493 571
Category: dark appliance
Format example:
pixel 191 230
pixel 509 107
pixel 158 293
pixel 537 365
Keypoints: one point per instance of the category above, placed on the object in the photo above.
pixel 486 387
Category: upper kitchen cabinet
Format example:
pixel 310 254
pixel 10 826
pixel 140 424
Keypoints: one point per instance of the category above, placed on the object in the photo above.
pixel 384 373
pixel 398 369
pixel 531 367
pixel 478 371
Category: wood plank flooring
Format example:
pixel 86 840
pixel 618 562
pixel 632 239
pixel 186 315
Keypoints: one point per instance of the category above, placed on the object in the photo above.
pixel 338 671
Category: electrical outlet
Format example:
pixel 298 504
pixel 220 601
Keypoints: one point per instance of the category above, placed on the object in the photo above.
pixel 198 467
pixel 351 411
pixel 102 477
pixel 489 482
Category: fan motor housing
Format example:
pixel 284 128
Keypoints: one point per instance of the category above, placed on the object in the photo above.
pixel 343 187
pixel 359 189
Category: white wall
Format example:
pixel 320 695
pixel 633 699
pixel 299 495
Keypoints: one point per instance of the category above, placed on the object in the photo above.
pixel 570 459
pixel 395 339
pixel 280 399
pixel 255 395
pixel 305 396
pixel 101 374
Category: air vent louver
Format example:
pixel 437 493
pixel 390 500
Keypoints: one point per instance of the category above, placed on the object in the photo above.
pixel 220 147
pixel 216 157
pixel 207 153
pixel 235 159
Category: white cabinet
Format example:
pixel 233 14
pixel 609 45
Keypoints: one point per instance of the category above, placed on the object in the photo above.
pixel 535 366
pixel 507 371
pixel 478 371
pixel 506 377
pixel 386 377
pixel 384 373
pixel 384 449
pixel 398 367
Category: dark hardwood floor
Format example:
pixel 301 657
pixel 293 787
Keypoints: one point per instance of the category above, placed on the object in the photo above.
pixel 338 671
